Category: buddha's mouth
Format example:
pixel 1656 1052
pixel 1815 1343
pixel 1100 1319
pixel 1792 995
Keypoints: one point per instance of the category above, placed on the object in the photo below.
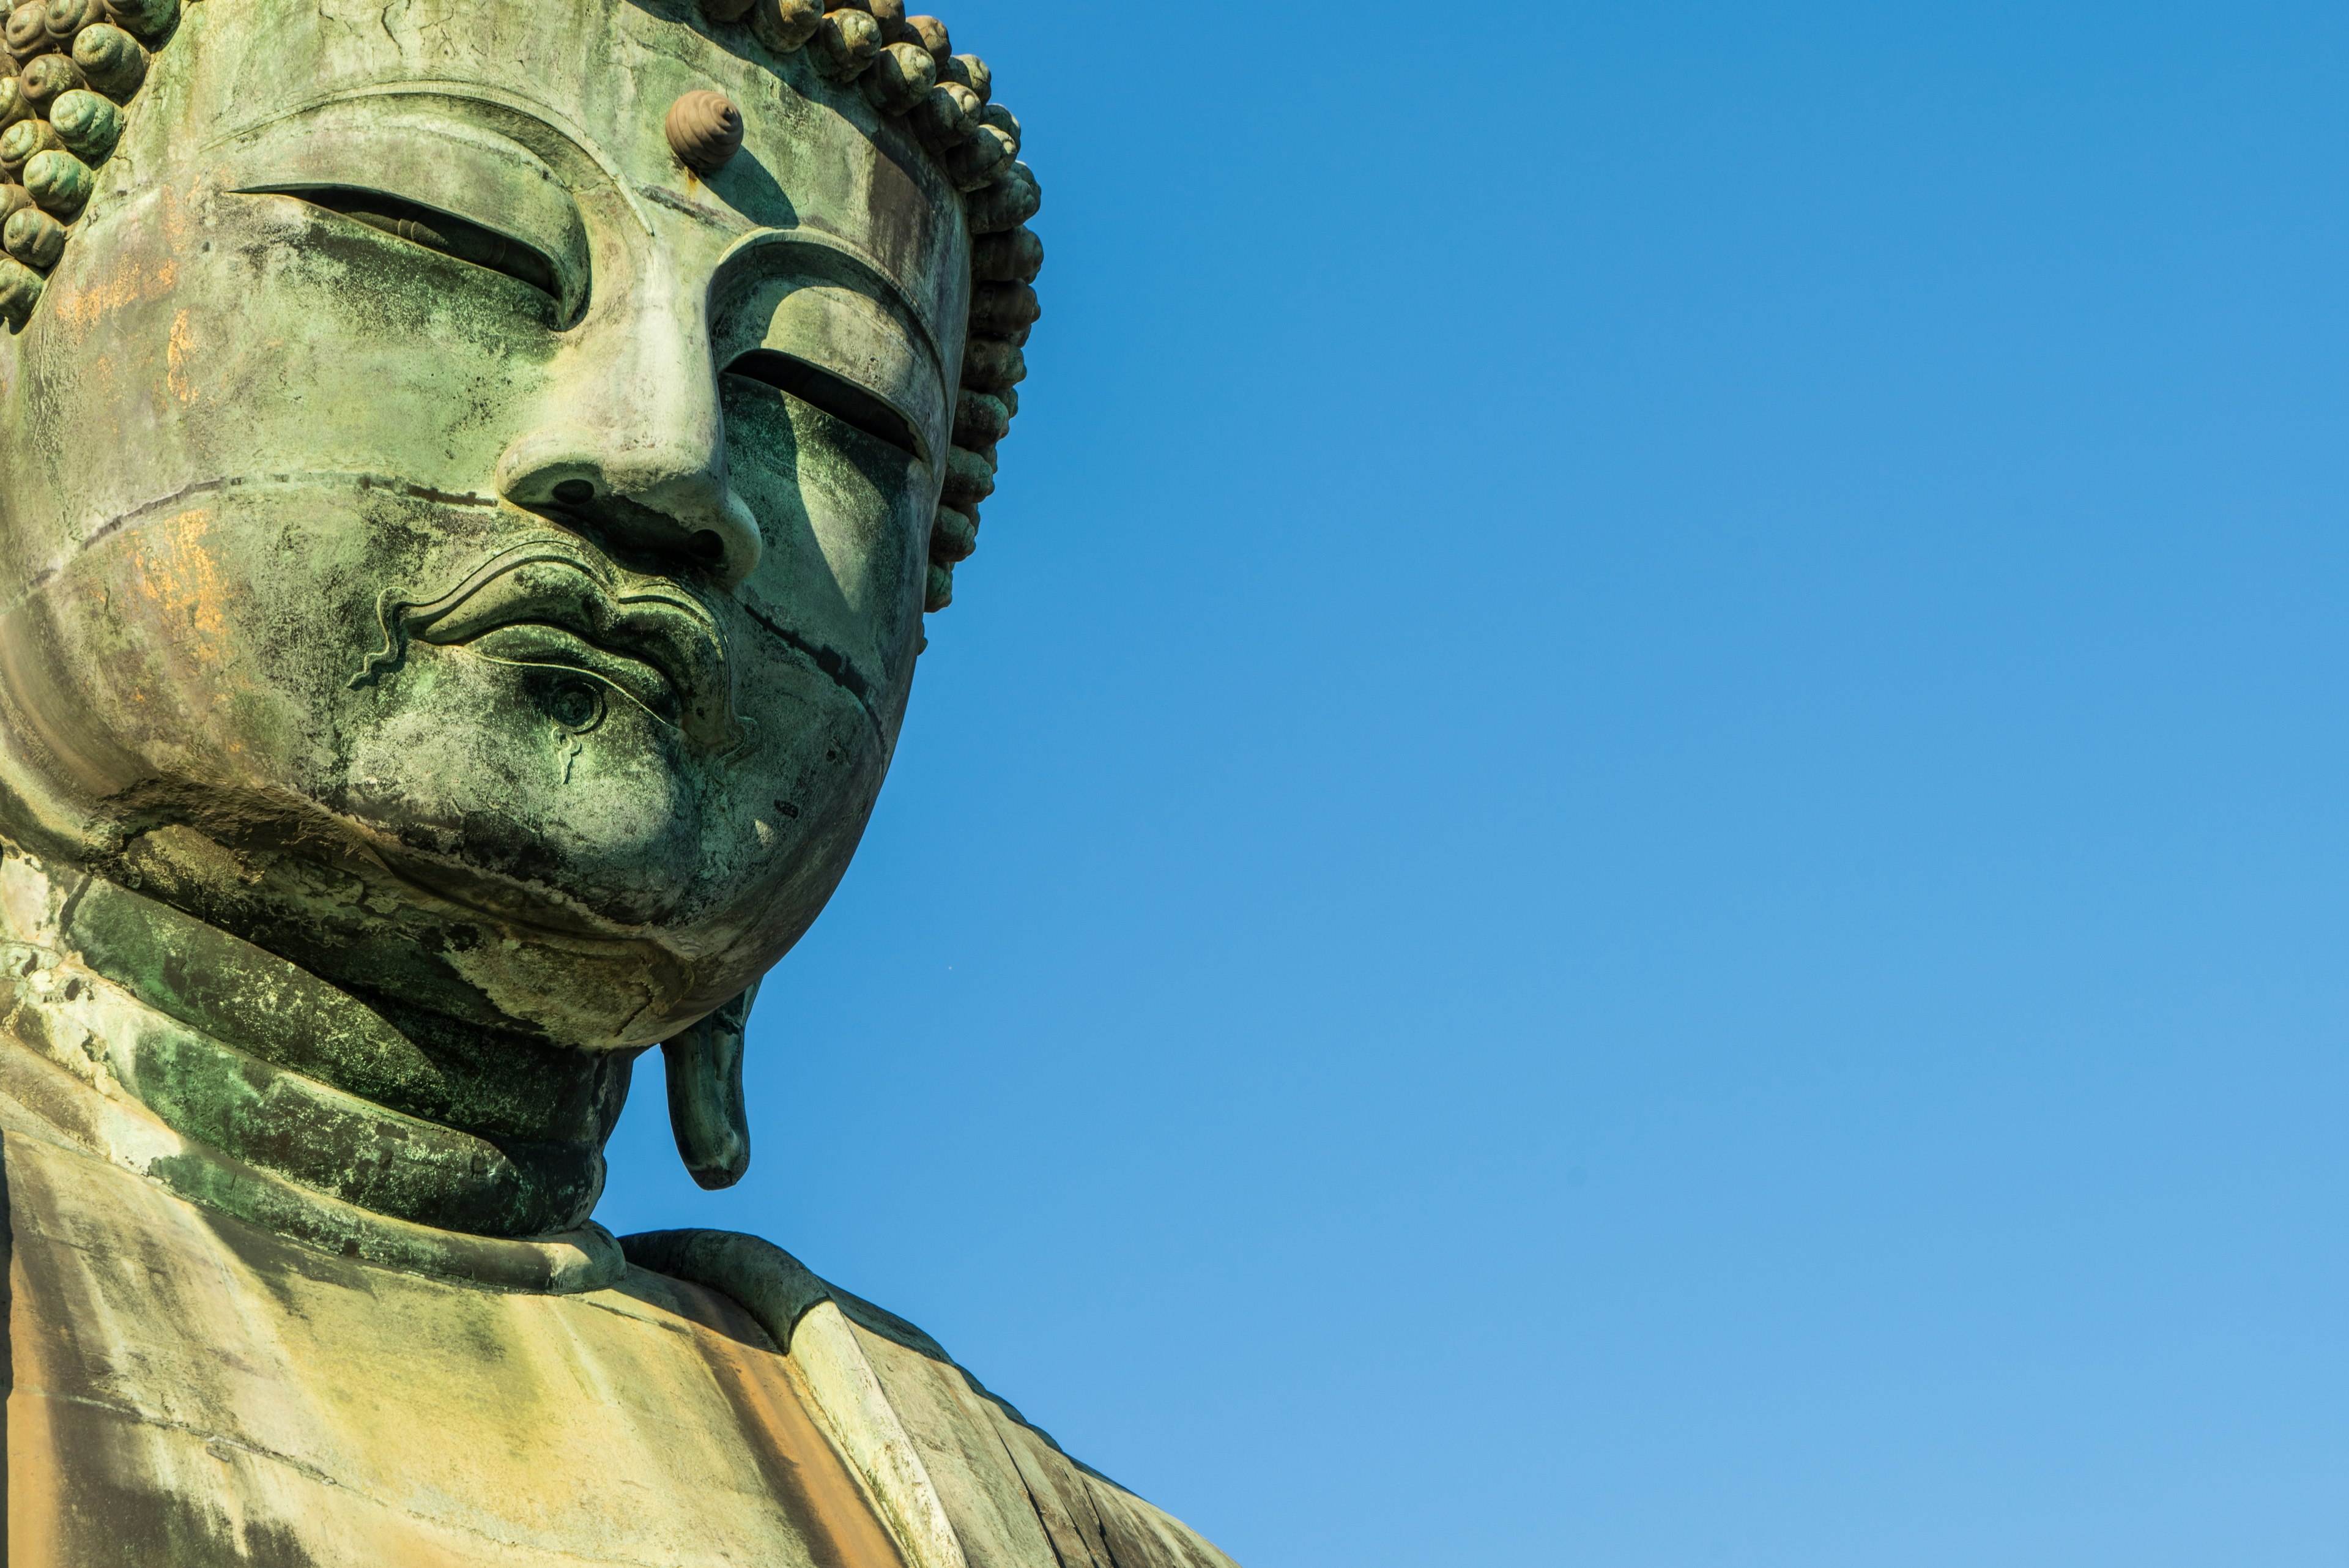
pixel 540 602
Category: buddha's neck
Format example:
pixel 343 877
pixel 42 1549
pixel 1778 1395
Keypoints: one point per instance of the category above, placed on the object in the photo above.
pixel 241 1053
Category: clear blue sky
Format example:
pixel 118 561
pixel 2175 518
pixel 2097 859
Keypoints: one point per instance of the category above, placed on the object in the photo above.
pixel 1632 844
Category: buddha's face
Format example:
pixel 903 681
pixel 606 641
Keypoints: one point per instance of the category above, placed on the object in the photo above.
pixel 445 541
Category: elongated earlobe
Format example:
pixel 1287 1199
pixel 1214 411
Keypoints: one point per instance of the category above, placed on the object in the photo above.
pixel 705 1095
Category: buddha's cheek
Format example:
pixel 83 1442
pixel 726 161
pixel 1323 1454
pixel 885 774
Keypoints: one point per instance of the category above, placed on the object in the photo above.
pixel 536 776
pixel 782 816
pixel 186 663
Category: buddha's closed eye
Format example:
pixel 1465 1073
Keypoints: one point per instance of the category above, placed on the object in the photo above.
pixel 433 230
pixel 844 401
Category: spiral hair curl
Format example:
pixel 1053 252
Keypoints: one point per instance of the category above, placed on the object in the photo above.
pixel 74 63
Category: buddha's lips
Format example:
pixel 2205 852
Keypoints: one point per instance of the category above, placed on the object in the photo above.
pixel 538 604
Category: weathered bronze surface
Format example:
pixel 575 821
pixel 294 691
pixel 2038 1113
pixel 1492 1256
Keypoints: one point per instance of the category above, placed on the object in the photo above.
pixel 471 479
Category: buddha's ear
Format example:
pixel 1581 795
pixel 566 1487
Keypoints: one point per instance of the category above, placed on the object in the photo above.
pixel 705 1093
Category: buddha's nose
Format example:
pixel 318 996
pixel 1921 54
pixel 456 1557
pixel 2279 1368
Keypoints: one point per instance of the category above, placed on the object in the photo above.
pixel 632 452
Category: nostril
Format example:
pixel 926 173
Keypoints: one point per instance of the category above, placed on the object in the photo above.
pixel 574 493
pixel 708 546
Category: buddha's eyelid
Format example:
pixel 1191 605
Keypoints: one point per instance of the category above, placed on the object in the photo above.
pixel 843 321
pixel 863 345
pixel 495 186
pixel 803 256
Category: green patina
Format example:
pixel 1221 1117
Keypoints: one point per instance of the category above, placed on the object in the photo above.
pixel 426 849
pixel 473 477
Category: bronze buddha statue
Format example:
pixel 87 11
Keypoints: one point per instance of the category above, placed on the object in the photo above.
pixel 472 481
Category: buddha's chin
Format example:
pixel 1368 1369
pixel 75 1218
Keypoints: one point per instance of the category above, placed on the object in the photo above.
pixel 532 926
pixel 474 944
pixel 539 959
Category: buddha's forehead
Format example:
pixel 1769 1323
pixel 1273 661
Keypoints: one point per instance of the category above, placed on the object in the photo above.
pixel 600 76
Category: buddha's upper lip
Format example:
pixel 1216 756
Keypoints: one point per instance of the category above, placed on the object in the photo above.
pixel 651 641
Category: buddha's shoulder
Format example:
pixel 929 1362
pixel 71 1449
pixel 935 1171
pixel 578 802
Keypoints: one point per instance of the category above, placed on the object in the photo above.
pixel 961 1478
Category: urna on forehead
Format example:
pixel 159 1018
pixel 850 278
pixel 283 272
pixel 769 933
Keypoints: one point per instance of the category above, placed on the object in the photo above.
pixel 720 118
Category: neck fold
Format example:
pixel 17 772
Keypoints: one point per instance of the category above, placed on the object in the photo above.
pixel 295 1104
